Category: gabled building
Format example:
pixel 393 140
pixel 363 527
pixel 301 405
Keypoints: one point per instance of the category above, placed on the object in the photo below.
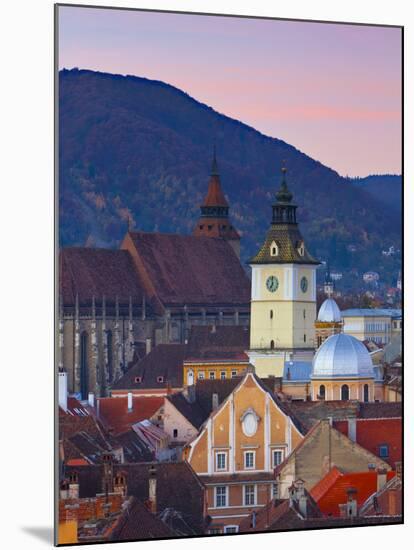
pixel 234 455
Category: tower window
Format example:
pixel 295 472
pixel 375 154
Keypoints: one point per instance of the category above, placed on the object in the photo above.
pixel 272 344
pixel 366 393
pixel 274 249
pixel 322 392
pixel 301 249
pixel 304 313
pixel 304 337
pixel 271 313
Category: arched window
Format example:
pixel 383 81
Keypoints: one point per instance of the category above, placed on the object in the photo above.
pixel 271 313
pixel 345 393
pixel 301 249
pixel 84 374
pixel 272 344
pixel 274 249
pixel 109 350
pixel 322 392
pixel 366 393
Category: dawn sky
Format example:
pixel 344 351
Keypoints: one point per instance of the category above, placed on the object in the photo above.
pixel 332 91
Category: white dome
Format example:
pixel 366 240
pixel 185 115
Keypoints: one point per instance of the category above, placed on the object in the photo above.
pixel 342 356
pixel 329 312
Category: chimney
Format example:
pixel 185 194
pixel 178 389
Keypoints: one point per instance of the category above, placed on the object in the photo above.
pixel 73 489
pixel 108 473
pixel 381 478
pixel 152 488
pixel 64 489
pixel 130 402
pixel 148 345
pixel 214 401
pixel 190 394
pixel 392 501
pixel 351 505
pixel 352 427
pixel 303 505
pixel 63 390
pixel 91 399
pixel 253 523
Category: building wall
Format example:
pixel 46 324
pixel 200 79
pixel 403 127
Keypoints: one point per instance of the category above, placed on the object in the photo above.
pixel 287 315
pixel 174 420
pixel 377 329
pixel 333 388
pixel 209 371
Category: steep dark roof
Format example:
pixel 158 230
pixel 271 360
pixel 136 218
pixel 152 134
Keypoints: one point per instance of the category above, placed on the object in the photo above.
pixel 310 412
pixel 204 390
pixel 98 272
pixel 219 342
pixel 193 412
pixel 178 487
pixel 192 270
pixel 138 523
pixel 165 360
pixel 288 238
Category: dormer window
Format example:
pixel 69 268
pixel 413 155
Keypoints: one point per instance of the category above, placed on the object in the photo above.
pixel 160 379
pixel 138 379
pixel 274 249
pixel 301 248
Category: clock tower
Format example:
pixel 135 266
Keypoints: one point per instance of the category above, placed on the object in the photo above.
pixel 283 293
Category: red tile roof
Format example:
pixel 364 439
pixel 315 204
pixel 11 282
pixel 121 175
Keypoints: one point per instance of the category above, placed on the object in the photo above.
pixel 331 490
pixel 98 272
pixel 113 411
pixel 371 433
pixel 215 195
pixel 190 270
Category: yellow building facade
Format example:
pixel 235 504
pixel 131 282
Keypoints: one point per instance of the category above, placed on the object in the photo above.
pixel 283 293
pixel 235 453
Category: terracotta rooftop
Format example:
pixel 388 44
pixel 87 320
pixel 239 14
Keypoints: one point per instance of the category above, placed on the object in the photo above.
pixel 331 490
pixel 161 368
pixel 191 270
pixel 98 272
pixel 113 411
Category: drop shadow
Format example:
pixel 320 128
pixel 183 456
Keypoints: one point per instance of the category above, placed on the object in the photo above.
pixel 44 534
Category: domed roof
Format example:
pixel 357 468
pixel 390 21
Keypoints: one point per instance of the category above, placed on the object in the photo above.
pixel 342 356
pixel 329 312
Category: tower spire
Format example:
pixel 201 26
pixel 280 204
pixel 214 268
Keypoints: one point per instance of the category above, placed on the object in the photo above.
pixel 214 220
pixel 214 165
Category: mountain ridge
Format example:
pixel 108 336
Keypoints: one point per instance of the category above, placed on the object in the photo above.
pixel 132 146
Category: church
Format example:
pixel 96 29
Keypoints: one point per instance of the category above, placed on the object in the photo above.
pixel 116 305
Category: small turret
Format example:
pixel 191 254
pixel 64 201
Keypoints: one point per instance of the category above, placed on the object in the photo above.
pixel 214 220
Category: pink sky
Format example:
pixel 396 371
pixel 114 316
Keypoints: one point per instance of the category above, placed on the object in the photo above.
pixel 333 91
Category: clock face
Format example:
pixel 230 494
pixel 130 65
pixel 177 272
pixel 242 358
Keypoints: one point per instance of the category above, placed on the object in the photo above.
pixel 249 424
pixel 304 284
pixel 272 283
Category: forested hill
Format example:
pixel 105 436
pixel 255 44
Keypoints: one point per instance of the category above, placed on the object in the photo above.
pixel 133 146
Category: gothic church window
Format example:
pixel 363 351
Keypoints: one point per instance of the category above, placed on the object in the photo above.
pixel 84 370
